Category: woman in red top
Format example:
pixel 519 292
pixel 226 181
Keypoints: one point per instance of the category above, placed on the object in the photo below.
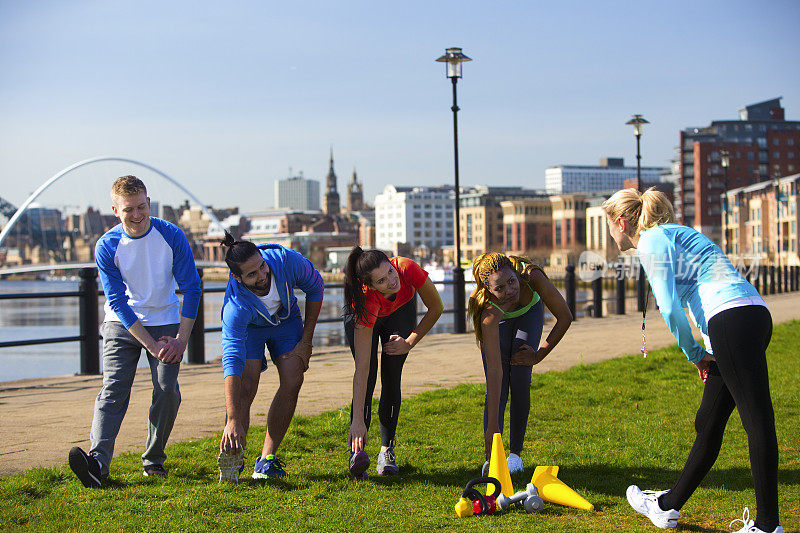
pixel 380 303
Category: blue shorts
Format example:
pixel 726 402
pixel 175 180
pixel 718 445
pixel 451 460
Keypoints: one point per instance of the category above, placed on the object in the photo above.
pixel 277 339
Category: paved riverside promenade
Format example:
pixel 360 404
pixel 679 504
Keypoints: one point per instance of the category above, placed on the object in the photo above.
pixel 41 419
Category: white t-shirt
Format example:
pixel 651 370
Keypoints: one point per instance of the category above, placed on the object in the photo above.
pixel 272 301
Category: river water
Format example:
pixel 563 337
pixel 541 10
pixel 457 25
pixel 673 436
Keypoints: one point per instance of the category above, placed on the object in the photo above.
pixel 23 319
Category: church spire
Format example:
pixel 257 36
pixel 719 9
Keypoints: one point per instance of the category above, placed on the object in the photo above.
pixel 331 199
pixel 355 196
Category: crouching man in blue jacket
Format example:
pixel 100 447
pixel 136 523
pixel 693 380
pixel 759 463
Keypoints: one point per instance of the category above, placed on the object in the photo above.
pixel 260 310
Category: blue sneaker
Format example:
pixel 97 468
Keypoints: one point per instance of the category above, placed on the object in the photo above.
pixel 269 467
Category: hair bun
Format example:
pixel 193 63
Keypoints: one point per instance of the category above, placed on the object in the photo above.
pixel 228 240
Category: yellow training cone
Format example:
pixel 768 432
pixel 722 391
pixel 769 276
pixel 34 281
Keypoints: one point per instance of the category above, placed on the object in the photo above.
pixel 498 467
pixel 554 490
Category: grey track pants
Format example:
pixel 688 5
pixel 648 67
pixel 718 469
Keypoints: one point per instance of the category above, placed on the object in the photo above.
pixel 121 353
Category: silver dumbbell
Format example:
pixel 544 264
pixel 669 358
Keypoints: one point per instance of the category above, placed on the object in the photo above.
pixel 528 498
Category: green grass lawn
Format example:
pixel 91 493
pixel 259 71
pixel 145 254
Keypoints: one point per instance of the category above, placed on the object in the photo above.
pixel 608 425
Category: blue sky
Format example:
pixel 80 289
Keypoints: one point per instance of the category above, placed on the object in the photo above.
pixel 226 97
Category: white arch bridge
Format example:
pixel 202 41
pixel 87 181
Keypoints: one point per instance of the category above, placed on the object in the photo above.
pixel 79 164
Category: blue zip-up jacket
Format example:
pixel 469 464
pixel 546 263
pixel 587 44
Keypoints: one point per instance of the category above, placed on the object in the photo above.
pixel 139 275
pixel 241 309
pixel 686 269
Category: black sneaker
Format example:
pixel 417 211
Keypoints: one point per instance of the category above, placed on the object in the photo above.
pixel 86 467
pixel 154 471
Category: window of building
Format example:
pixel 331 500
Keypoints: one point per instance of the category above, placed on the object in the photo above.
pixel 775 142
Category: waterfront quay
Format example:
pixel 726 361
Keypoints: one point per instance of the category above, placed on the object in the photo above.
pixel 43 418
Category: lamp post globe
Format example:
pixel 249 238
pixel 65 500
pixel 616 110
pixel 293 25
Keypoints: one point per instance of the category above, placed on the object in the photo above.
pixel 638 121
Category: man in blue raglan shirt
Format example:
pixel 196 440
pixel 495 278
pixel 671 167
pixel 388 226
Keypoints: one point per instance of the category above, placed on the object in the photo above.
pixel 139 261
pixel 260 311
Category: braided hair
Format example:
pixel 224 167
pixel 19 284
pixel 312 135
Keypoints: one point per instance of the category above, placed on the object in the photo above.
pixel 482 267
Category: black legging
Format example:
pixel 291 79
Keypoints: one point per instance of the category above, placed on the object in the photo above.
pixel 739 338
pixel 516 378
pixel 401 322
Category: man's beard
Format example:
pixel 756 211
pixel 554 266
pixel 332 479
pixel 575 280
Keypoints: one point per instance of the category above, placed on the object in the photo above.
pixel 261 289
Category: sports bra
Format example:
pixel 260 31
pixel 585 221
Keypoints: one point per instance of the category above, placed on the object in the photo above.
pixel 522 310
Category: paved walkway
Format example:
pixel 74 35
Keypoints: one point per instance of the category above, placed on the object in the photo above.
pixel 41 419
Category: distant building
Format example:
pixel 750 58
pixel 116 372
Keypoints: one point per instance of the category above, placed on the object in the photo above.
pixel 7 210
pixel 608 177
pixel 331 200
pixel 417 216
pixel 481 217
pixel 90 223
pixel 355 194
pixel 569 228
pixel 761 144
pixel 528 227
pixel 308 232
pixel 365 221
pixel 598 238
pixel 297 193
pixel 760 226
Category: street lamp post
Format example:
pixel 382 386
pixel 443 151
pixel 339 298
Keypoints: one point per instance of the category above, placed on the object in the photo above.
pixel 453 57
pixel 725 161
pixel 637 122
pixel 778 239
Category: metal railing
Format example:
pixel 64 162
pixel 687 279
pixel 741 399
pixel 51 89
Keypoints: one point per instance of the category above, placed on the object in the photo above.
pixel 768 280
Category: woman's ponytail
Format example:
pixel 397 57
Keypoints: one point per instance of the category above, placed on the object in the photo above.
pixel 642 210
pixel 357 273
pixel 353 293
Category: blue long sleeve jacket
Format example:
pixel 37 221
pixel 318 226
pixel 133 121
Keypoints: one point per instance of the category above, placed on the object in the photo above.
pixel 686 269
pixel 241 309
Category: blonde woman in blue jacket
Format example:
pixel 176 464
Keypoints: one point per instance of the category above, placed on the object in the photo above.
pixel 686 269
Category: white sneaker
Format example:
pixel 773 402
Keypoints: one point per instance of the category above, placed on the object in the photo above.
pixel 646 503
pixel 230 466
pixel 515 463
pixel 749 525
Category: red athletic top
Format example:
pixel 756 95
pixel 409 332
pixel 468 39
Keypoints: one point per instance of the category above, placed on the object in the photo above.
pixel 412 277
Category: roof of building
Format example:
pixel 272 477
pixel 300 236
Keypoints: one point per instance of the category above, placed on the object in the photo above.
pixel 763 185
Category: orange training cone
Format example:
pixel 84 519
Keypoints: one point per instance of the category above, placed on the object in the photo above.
pixel 553 490
pixel 498 467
